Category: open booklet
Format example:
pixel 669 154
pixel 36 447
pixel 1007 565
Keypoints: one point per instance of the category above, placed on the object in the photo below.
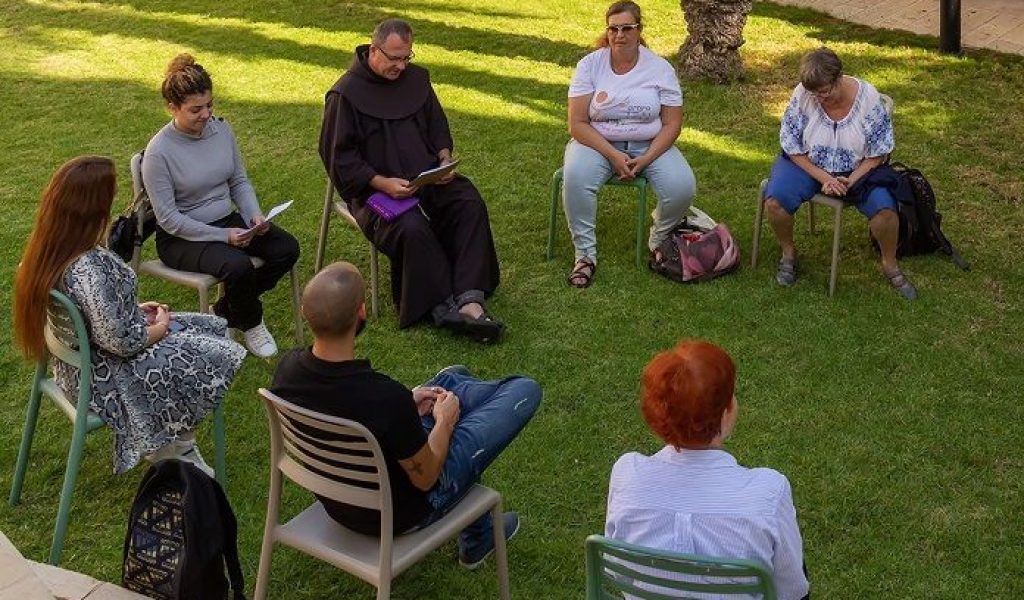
pixel 434 175
pixel 280 208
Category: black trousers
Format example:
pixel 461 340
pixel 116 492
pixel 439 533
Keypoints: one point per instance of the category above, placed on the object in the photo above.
pixel 243 283
pixel 437 254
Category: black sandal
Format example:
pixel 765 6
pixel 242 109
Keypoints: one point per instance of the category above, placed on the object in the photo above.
pixel 484 329
pixel 582 274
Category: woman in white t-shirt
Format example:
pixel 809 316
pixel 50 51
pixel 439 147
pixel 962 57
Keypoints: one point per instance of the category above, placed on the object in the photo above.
pixel 625 113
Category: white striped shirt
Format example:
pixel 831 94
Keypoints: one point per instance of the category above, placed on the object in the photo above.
pixel 703 502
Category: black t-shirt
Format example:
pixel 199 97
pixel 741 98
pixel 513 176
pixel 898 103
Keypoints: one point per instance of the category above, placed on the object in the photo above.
pixel 353 390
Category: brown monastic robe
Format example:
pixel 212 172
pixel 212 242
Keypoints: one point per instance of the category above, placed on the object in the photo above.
pixel 376 126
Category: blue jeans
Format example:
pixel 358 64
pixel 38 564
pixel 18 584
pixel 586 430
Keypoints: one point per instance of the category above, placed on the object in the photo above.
pixel 491 415
pixel 791 186
pixel 586 170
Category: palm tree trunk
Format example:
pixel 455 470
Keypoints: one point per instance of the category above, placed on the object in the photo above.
pixel 715 34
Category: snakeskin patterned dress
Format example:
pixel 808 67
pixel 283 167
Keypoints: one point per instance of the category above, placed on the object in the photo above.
pixel 148 395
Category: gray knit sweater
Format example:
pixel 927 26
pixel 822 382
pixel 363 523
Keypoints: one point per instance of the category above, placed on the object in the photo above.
pixel 192 181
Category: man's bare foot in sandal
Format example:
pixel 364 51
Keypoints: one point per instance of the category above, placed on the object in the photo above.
pixel 582 274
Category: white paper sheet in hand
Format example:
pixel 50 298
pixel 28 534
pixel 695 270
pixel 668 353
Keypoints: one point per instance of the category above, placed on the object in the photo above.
pixel 280 208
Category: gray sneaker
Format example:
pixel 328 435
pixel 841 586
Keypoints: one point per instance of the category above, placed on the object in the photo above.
pixel 786 274
pixel 901 284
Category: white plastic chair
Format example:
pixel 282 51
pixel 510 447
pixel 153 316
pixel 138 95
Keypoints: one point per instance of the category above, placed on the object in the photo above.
pixel 345 452
pixel 340 208
pixel 201 282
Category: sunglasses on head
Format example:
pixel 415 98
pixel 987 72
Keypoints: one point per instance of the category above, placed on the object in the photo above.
pixel 613 29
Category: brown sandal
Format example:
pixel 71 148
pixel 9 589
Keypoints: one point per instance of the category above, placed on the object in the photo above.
pixel 582 273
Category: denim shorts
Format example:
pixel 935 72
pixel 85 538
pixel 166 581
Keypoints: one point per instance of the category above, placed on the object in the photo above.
pixel 791 186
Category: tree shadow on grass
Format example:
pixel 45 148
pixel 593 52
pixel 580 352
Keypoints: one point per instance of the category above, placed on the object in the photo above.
pixel 246 43
pixel 361 18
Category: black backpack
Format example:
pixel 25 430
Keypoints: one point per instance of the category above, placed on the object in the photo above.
pixel 920 223
pixel 181 535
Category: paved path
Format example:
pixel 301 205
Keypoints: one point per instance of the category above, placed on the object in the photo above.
pixel 995 24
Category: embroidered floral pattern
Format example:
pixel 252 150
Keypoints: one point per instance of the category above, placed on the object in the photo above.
pixel 878 134
pixel 837 146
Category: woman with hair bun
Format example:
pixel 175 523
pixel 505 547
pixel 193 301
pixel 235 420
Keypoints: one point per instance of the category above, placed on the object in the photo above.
pixel 156 374
pixel 208 217
pixel 692 496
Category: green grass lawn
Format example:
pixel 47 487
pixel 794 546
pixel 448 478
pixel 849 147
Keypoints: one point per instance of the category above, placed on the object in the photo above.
pixel 897 423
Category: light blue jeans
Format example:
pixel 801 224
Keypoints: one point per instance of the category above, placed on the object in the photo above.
pixel 586 170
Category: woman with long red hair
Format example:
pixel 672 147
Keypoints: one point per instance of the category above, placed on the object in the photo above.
pixel 156 375
pixel 692 496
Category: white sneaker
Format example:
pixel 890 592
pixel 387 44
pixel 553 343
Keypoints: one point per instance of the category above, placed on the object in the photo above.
pixel 184 450
pixel 172 450
pixel 259 341
pixel 193 456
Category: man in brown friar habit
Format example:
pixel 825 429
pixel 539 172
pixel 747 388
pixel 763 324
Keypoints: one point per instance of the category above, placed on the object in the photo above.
pixel 383 125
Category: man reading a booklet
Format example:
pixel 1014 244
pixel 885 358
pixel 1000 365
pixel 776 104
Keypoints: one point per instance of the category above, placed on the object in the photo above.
pixel 384 127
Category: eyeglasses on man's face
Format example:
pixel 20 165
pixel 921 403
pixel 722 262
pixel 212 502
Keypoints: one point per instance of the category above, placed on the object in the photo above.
pixel 404 59
pixel 628 28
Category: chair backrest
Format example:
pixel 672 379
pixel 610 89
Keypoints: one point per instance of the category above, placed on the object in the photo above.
pixel 648 573
pixel 887 103
pixel 329 456
pixel 67 338
pixel 143 209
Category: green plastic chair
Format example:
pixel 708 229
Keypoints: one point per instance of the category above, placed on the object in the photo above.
pixel 67 340
pixel 624 569
pixel 640 183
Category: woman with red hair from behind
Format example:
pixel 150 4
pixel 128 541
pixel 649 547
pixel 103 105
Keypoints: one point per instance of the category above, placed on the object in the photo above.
pixel 692 496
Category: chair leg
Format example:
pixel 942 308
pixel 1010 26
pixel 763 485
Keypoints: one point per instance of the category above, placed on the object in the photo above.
pixel 755 244
pixel 556 186
pixel 384 590
pixel 267 549
pixel 296 308
pixel 67 492
pixel 641 218
pixel 836 231
pixel 204 299
pixel 325 221
pixel 374 278
pixel 810 217
pixel 500 551
pixel 27 434
pixel 220 459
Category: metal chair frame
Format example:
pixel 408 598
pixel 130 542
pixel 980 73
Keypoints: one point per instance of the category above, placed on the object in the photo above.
pixel 340 209
pixel 641 185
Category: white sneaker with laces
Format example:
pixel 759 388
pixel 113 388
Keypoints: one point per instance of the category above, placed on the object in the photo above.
pixel 193 456
pixel 172 450
pixel 184 450
pixel 259 341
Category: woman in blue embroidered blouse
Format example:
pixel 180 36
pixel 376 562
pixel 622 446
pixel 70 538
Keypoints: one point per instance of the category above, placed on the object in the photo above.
pixel 835 130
